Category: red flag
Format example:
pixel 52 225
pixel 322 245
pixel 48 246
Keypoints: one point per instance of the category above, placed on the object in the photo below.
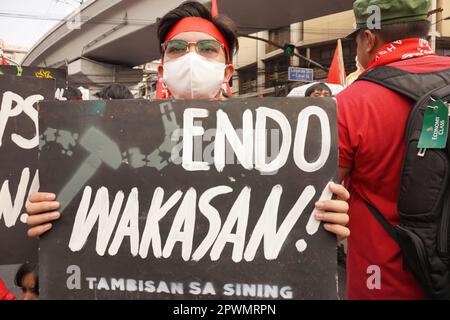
pixel 337 75
pixel 214 8
pixel 4 62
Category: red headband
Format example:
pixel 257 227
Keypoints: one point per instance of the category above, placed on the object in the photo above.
pixel 197 24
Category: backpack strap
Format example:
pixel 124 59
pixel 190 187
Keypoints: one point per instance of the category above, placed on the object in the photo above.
pixel 442 93
pixel 382 220
pixel 409 84
pixel 414 86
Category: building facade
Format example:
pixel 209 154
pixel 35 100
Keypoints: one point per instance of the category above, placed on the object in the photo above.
pixel 13 54
pixel 262 69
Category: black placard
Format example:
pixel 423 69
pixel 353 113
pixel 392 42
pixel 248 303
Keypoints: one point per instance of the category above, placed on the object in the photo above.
pixel 59 75
pixel 240 230
pixel 19 141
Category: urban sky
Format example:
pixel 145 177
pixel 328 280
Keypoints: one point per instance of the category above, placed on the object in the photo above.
pixel 24 22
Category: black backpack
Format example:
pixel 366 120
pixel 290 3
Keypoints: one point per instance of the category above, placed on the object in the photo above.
pixel 423 233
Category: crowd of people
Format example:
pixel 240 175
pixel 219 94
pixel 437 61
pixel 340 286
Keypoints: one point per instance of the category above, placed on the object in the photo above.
pixel 197 51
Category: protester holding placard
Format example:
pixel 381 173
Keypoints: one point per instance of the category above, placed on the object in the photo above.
pixel 373 143
pixel 196 64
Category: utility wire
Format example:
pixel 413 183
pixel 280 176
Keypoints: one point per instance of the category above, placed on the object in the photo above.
pixel 137 21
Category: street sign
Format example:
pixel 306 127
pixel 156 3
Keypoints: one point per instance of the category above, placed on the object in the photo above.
pixel 301 74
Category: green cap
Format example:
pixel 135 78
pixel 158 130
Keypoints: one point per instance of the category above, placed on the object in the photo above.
pixel 390 12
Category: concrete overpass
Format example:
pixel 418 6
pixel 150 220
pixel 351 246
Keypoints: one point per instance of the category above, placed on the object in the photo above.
pixel 104 39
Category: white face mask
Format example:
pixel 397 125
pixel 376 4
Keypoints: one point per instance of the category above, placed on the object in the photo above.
pixel 194 77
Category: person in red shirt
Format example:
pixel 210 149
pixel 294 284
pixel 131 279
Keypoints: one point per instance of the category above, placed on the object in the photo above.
pixel 4 292
pixel 372 121
pixel 197 51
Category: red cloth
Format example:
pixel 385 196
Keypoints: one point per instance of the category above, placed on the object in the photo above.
pixel 336 74
pixel 4 292
pixel 401 50
pixel 4 62
pixel 372 121
pixel 214 8
pixel 161 91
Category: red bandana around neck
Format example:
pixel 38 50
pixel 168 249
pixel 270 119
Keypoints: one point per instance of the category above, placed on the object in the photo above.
pixel 401 50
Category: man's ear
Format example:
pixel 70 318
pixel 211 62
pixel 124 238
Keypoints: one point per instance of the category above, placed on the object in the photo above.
pixel 371 41
pixel 229 71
